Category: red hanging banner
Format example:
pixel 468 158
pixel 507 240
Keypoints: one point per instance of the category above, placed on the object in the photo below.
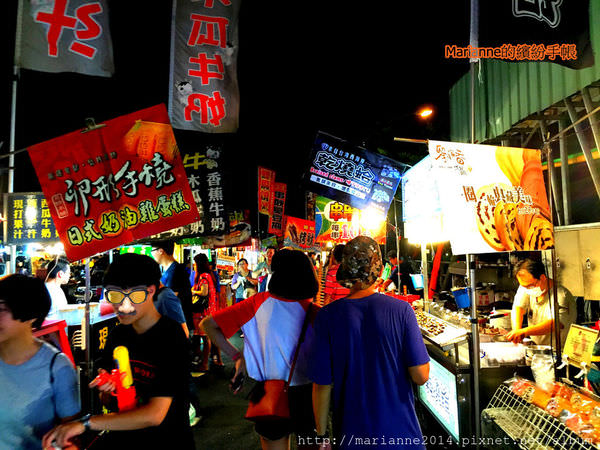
pixel 266 178
pixel 117 183
pixel 277 208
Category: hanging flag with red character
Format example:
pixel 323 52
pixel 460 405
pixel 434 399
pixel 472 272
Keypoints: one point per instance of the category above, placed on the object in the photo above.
pixel 117 183
pixel 64 36
pixel 203 90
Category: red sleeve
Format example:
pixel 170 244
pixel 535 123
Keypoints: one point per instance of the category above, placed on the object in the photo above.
pixel 232 318
pixel 203 280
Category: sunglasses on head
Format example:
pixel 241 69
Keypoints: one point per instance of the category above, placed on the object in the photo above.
pixel 136 296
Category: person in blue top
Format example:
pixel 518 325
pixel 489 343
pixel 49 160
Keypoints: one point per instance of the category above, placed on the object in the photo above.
pixel 168 304
pixel 242 280
pixel 38 384
pixel 367 351
pixel 174 276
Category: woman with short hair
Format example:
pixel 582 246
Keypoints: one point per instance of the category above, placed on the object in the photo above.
pixel 272 322
pixel 39 383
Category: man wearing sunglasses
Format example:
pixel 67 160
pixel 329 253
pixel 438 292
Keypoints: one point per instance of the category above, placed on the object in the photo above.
pixel 159 359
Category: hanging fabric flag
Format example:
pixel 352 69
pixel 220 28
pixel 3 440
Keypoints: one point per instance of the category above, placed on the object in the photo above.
pixel 203 86
pixel 266 178
pixel 120 182
pixel 64 36
pixel 277 208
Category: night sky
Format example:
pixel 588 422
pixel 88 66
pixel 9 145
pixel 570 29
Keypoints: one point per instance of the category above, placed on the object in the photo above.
pixel 356 70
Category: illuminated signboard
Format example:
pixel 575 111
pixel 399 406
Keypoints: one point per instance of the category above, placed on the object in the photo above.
pixel 28 219
pixel 352 175
pixel 439 397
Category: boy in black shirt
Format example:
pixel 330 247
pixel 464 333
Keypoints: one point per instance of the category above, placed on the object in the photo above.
pixel 159 359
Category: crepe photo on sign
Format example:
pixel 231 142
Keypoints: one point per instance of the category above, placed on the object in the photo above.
pixel 493 198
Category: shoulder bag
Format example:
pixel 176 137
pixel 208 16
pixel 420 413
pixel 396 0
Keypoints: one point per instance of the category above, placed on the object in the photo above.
pixel 269 399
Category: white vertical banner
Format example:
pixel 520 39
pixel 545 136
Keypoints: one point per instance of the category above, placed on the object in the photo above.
pixel 64 36
pixel 203 85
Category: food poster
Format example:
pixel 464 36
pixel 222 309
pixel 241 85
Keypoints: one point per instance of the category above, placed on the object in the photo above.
pixel 119 182
pixel 299 234
pixel 493 198
pixel 338 223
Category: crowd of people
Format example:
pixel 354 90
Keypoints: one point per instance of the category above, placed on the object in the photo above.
pixel 352 356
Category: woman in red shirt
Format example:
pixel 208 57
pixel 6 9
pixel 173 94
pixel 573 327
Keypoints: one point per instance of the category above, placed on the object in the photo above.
pixel 205 302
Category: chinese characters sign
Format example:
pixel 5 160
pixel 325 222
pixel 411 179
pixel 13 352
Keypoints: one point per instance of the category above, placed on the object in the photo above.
pixel 299 233
pixel 277 208
pixel 120 182
pixel 205 177
pixel 203 90
pixel 339 223
pixel 352 175
pixel 493 198
pixel 28 219
pixel 64 36
pixel 266 178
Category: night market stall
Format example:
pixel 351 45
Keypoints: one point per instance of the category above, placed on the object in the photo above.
pixel 491 202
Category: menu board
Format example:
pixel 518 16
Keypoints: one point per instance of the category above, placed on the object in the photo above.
pixel 28 219
pixel 579 346
pixel 439 396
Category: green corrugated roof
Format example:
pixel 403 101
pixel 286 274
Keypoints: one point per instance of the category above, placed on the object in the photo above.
pixel 507 92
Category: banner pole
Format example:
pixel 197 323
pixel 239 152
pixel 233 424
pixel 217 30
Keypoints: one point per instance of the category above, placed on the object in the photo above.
pixel 88 339
pixel 470 266
pixel 398 246
pixel 11 157
pixel 258 206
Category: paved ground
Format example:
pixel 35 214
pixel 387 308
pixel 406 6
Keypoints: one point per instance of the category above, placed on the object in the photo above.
pixel 223 425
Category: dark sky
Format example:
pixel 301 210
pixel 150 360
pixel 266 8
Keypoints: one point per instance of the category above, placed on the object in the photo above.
pixel 356 70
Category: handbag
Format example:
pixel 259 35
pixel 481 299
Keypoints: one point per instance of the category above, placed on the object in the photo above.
pixel 199 302
pixel 269 399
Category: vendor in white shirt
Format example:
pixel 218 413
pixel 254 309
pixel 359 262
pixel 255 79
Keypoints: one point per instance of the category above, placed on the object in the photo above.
pixel 532 299
pixel 59 273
